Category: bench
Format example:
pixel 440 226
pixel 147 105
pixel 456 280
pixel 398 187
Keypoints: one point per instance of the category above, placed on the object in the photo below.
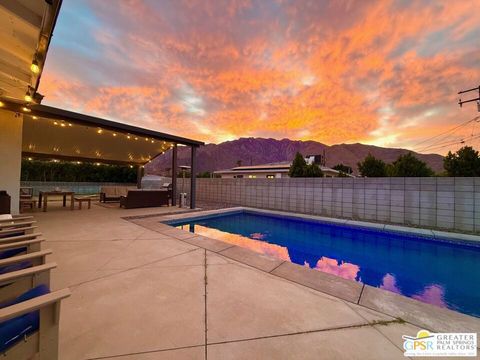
pixel 81 200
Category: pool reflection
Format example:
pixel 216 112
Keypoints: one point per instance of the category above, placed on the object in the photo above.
pixel 259 246
pixel 432 294
pixel 438 273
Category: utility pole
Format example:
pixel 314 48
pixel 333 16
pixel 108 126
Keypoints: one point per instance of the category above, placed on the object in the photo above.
pixel 461 102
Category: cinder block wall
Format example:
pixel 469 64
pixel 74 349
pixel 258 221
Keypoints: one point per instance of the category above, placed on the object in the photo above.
pixel 444 203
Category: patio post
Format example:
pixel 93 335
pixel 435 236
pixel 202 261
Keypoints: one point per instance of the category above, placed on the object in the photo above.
pixel 139 176
pixel 174 175
pixel 193 178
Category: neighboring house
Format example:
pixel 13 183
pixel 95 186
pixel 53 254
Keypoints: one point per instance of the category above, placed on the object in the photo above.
pixel 269 171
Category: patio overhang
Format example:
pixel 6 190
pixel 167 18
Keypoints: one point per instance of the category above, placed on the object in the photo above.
pixel 57 134
pixel 36 131
pixel 25 31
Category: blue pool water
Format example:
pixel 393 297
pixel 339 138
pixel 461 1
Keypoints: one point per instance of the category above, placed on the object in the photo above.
pixel 436 272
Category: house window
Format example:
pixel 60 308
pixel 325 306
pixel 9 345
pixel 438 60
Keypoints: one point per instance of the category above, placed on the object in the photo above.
pixel 238 176
pixel 252 176
pixel 270 176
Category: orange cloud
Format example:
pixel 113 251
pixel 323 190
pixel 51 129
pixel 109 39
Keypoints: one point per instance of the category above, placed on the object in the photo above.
pixel 341 71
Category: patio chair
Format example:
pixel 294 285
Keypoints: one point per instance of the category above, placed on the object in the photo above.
pixel 9 249
pixel 19 262
pixel 26 199
pixel 16 224
pixel 29 324
pixel 16 231
pixel 26 192
pixel 15 238
pixel 8 218
pixel 17 282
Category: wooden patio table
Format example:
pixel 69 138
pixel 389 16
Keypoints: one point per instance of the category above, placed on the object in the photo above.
pixel 43 195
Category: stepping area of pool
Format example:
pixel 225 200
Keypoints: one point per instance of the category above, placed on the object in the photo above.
pixel 145 290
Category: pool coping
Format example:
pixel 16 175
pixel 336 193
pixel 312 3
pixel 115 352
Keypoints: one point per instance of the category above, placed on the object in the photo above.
pixel 443 236
pixel 421 314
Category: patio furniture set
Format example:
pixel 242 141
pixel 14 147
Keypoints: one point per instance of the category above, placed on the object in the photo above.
pixel 28 201
pixel 29 311
pixel 130 197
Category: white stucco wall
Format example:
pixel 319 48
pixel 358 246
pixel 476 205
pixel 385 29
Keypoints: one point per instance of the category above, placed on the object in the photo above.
pixel 11 155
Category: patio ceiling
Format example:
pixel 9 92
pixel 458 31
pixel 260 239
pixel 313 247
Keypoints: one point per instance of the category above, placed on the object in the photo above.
pixel 58 134
pixel 25 30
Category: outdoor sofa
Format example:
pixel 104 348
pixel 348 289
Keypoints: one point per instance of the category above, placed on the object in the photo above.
pixel 145 198
pixel 114 192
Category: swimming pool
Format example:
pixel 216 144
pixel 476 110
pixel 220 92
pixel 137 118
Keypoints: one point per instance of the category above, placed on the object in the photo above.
pixel 441 273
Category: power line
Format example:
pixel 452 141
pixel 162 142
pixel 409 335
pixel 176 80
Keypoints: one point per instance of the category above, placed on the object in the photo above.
pixel 440 145
pixel 443 135
pixel 456 142
pixel 436 145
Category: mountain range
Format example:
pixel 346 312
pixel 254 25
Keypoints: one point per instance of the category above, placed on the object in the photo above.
pixel 256 151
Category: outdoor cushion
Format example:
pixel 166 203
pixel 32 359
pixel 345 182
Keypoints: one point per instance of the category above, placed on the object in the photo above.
pixel 12 252
pixel 123 190
pixel 116 191
pixel 13 234
pixel 15 267
pixel 13 330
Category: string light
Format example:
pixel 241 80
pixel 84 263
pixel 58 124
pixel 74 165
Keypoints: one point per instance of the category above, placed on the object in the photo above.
pixel 69 124
pixel 114 134
pixel 99 131
pixel 26 109
pixel 128 136
pixel 34 67
pixel 30 159
pixel 29 95
pixel 62 124
pixel 34 117
pixel 55 123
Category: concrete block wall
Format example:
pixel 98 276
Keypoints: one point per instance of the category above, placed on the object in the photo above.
pixel 437 202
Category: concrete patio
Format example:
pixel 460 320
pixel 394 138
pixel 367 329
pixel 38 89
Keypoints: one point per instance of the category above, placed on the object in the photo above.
pixel 144 294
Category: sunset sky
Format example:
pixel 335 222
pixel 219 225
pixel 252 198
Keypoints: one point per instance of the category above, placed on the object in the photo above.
pixel 379 72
